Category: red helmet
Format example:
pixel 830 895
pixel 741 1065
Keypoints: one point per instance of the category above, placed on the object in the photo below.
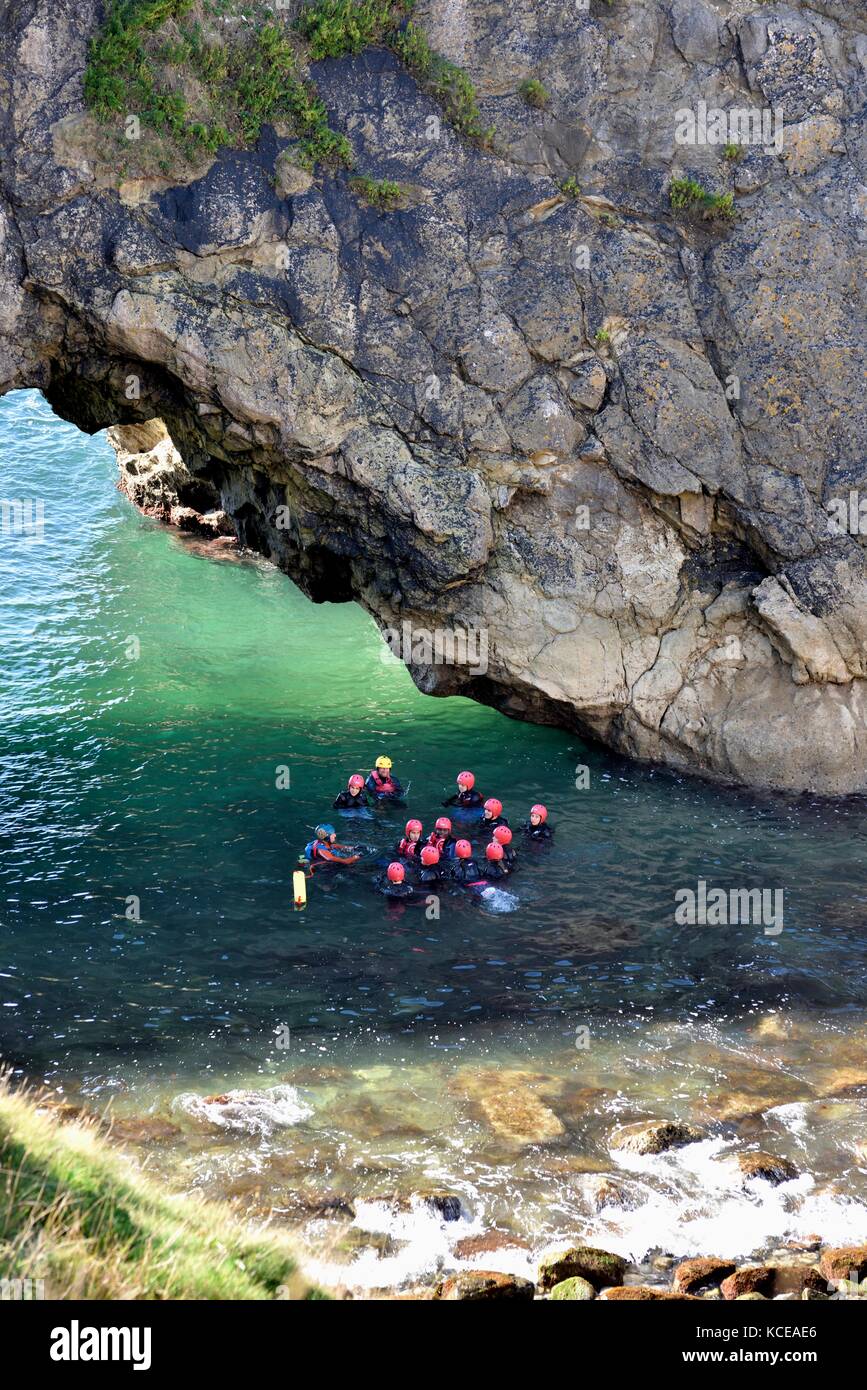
pixel 396 873
pixel 539 810
pixel 355 781
pixel 444 824
pixel 430 855
pixel 412 825
pixel 466 779
pixel 463 849
pixel 494 806
pixel 494 850
pixel 503 835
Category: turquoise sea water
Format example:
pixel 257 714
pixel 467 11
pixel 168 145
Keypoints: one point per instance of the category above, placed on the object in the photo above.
pixel 150 696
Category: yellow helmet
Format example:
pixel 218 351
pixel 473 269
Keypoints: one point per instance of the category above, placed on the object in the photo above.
pixel 383 762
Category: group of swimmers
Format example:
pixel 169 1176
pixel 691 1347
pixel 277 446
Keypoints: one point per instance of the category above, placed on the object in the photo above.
pixel 442 857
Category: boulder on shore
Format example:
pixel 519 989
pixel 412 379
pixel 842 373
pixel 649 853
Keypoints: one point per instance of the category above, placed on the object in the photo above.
pixel 476 1284
pixel 749 1279
pixel 840 1261
pixel 575 1289
pixel 598 1267
pixel 694 1274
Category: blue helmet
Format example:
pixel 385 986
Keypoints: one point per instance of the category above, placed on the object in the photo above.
pixel 323 831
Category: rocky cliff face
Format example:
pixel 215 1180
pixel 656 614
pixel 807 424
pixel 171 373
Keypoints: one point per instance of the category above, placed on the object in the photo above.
pixel 616 437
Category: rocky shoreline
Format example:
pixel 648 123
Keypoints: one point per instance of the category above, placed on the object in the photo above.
pixel 583 1273
pixel 370 1222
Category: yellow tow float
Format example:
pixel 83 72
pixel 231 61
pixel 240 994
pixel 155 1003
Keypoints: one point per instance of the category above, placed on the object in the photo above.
pixel 299 888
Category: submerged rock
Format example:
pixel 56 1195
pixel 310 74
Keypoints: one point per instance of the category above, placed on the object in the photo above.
pixel 598 1267
pixel 506 1102
pixel 606 1192
pixel 469 1247
pixel 654 1137
pixel 141 1129
pixel 477 1284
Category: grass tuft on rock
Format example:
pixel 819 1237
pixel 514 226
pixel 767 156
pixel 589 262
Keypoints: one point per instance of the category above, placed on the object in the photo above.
pixel 335 28
pixel 384 194
pixel 182 78
pixel 206 75
pixel 534 93
pixel 76 1214
pixel 687 195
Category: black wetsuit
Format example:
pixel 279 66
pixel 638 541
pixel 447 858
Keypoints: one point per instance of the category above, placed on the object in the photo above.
pixel 542 831
pixel 429 876
pixel 465 871
pixel 466 800
pixel 388 889
pixel 509 856
pixel 495 868
pixel 493 823
pixel 346 801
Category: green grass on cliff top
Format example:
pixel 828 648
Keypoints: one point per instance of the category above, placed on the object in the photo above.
pixel 76 1214
pixel 201 74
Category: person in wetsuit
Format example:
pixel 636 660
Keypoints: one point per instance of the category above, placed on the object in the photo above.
pixel 393 882
pixel 537 828
pixel 382 782
pixel 495 866
pixel 324 849
pixel 493 815
pixel 430 874
pixel 442 839
pixel 503 836
pixel 464 868
pixel 354 797
pixel 410 846
pixel 465 797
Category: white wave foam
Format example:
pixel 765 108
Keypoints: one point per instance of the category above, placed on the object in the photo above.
pixel 245 1112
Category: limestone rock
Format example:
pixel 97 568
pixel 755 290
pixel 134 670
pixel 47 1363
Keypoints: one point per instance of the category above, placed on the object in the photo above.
pixel 571 418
